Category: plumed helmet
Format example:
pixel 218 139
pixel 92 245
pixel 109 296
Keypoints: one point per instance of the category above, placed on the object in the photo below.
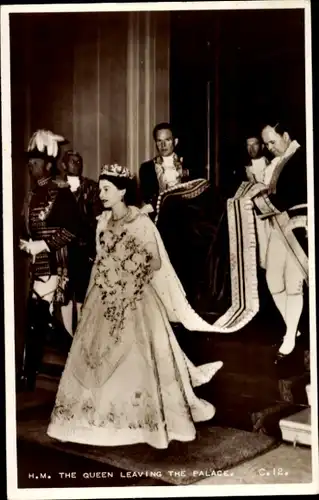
pixel 45 144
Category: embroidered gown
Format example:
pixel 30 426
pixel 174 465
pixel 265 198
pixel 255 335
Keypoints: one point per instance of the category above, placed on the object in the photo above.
pixel 126 379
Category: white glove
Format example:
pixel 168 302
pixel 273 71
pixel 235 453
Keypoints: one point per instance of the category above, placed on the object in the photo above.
pixel 147 209
pixel 23 245
pixel 248 204
pixel 34 247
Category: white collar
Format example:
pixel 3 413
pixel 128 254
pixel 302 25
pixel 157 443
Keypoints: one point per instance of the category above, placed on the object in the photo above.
pixel 258 161
pixel 290 151
pixel 292 148
pixel 74 182
pixel 168 160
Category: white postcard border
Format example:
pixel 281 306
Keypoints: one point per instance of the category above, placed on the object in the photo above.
pixel 137 491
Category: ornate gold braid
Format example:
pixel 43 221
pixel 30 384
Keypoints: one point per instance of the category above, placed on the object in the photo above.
pixel 199 187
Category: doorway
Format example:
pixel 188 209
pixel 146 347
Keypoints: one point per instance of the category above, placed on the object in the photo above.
pixel 229 70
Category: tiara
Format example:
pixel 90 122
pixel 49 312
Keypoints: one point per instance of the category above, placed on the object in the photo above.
pixel 116 170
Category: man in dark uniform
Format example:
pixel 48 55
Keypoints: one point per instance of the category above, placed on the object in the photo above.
pixel 50 224
pixel 186 212
pixel 287 253
pixel 82 250
pixel 164 171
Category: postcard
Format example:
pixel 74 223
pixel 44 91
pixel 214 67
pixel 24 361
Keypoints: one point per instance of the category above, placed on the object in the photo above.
pixel 159 250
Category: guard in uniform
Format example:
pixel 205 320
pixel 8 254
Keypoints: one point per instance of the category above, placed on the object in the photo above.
pixel 50 224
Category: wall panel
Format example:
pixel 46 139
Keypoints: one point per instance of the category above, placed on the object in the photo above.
pixel 147 82
pixel 113 72
pixel 85 92
pixel 50 73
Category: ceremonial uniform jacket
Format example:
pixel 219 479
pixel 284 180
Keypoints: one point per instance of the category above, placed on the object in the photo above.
pixel 149 184
pixel 50 213
pixel 82 249
pixel 89 206
pixel 291 186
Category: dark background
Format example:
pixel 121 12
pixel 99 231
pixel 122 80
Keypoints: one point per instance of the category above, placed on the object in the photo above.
pixel 256 65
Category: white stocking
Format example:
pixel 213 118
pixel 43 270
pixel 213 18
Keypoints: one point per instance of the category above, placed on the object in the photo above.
pixel 294 305
pixel 282 300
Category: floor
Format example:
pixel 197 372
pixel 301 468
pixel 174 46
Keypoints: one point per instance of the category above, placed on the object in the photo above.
pixel 283 465
pixel 286 464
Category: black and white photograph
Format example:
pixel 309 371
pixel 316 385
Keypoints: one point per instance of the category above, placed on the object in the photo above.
pixel 159 260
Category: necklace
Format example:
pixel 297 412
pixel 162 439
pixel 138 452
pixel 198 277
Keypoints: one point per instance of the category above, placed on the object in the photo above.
pixel 120 218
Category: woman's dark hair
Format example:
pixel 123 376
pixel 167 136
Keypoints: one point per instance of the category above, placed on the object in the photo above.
pixel 130 197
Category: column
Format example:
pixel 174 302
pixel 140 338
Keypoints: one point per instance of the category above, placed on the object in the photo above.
pixel 147 82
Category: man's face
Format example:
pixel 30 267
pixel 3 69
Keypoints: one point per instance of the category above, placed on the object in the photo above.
pixel 73 166
pixel 38 168
pixel 276 143
pixel 253 147
pixel 165 142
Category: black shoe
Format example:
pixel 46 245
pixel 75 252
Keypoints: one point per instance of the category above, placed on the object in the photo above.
pixel 26 384
pixel 276 344
pixel 21 384
pixel 31 383
pixel 280 357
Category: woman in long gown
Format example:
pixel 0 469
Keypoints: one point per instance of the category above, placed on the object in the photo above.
pixel 126 379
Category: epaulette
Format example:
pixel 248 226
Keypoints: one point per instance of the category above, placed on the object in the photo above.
pixel 61 183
